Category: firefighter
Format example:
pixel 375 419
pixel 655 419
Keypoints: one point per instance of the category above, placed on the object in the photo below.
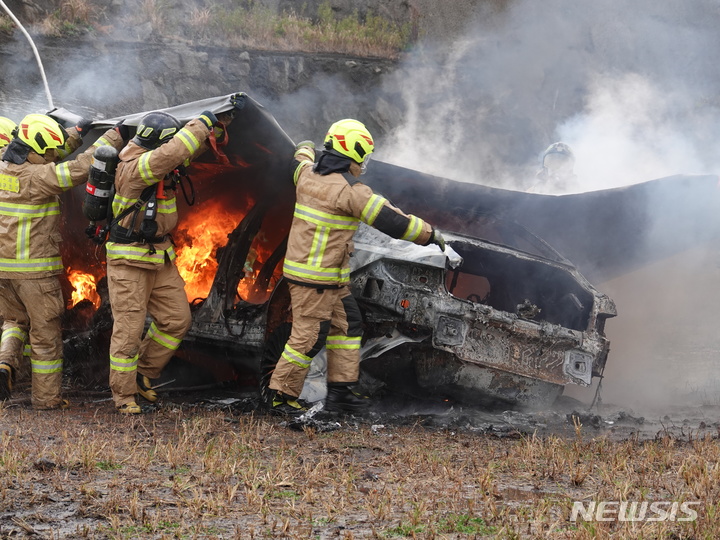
pixel 31 301
pixel 556 174
pixel 142 275
pixel 330 204
pixel 7 127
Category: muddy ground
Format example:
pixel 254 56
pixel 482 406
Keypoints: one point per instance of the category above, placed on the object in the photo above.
pixel 210 464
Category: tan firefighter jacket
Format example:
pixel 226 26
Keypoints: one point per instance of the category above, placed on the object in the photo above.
pixel 327 214
pixel 30 207
pixel 139 168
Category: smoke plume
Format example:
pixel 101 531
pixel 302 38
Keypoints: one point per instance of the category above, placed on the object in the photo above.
pixel 631 87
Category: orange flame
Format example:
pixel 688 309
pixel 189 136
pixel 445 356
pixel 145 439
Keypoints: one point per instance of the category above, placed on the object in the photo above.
pixel 202 233
pixel 258 254
pixel 84 287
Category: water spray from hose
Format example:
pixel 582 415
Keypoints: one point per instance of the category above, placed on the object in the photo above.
pixel 37 55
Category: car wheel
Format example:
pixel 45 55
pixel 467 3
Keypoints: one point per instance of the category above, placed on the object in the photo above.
pixel 271 354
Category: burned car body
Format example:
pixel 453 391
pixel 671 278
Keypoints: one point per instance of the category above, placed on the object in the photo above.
pixel 509 321
pixel 504 326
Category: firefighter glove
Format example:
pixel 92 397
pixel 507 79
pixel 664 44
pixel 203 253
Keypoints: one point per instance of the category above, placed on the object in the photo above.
pixel 123 130
pixel 305 151
pixel 437 239
pixel 83 126
pixel 237 101
pixel 208 118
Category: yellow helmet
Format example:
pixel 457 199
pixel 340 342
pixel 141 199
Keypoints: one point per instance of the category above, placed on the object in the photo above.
pixel 6 131
pixel 41 133
pixel 349 138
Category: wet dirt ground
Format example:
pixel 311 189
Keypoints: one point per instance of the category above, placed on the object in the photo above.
pixel 210 464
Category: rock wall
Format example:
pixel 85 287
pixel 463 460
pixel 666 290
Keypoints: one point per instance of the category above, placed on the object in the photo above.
pixel 107 79
pixel 125 66
pixel 428 91
pixel 130 68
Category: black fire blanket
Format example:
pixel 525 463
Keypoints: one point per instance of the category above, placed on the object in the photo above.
pixel 604 233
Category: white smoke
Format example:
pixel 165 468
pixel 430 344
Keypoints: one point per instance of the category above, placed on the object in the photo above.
pixel 630 132
pixel 630 87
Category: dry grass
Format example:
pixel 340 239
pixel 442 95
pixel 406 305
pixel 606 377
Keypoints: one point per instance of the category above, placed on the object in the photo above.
pixel 73 18
pixel 244 25
pixel 206 474
pixel 258 27
pixel 6 24
pixel 155 12
pixel 79 10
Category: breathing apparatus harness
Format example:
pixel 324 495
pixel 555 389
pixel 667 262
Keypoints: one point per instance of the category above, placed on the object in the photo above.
pixel 100 192
pixel 148 227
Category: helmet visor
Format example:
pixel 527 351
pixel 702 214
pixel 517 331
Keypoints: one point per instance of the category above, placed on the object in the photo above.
pixel 364 164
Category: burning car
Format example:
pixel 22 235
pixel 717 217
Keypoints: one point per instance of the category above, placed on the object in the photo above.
pixel 508 322
pixel 508 319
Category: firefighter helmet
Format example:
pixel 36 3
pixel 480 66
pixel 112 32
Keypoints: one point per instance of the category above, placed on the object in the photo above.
pixel 558 157
pixel 349 138
pixel 41 133
pixel 7 127
pixel 156 128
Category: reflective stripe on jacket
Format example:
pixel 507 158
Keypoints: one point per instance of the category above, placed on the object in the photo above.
pixel 139 168
pixel 327 213
pixel 30 207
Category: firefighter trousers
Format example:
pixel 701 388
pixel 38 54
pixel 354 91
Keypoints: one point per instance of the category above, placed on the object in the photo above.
pixel 321 317
pixel 32 308
pixel 136 292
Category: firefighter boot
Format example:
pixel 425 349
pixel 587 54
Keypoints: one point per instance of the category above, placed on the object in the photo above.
pixel 145 389
pixel 129 408
pixel 341 398
pixel 62 405
pixel 283 404
pixel 6 377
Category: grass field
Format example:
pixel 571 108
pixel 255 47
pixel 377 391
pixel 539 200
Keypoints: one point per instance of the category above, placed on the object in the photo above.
pixel 184 471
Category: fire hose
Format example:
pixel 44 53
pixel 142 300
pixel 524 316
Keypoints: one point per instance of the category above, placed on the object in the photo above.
pixel 35 51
